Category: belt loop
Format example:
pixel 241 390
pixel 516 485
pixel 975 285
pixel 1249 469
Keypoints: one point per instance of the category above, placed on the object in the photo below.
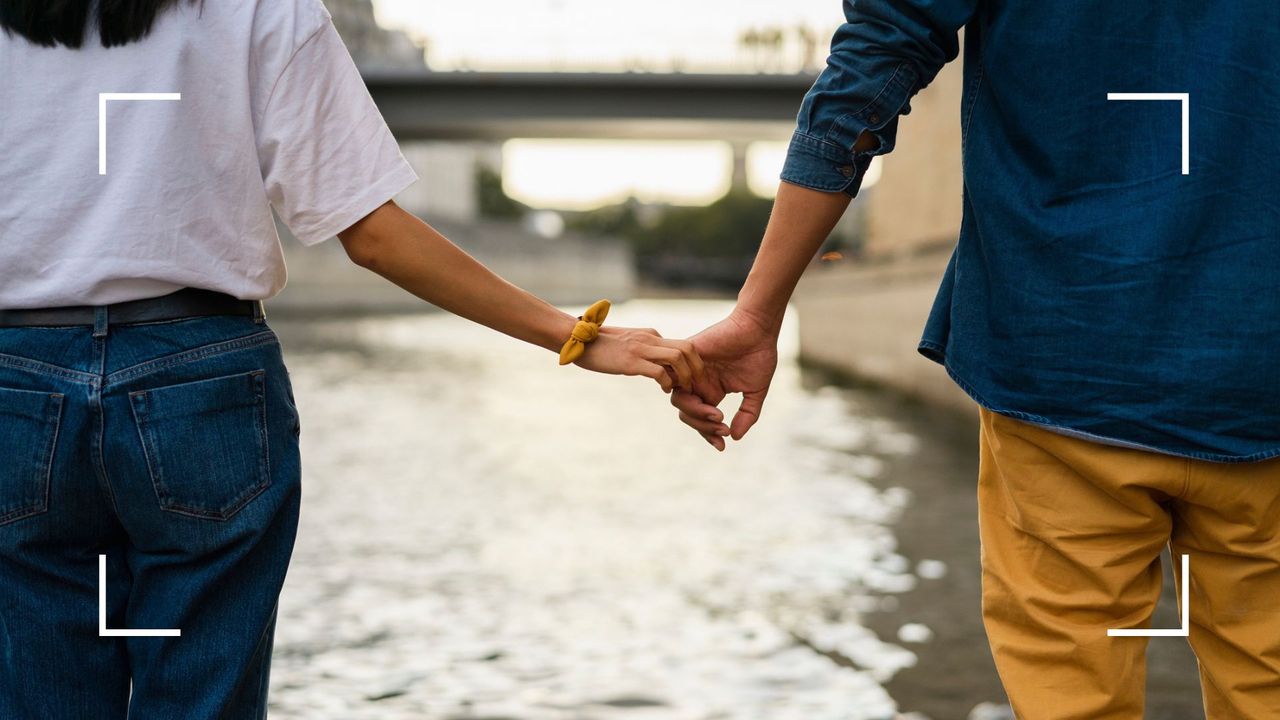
pixel 259 312
pixel 100 321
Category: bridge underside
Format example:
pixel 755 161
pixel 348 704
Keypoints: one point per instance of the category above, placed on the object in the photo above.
pixel 495 106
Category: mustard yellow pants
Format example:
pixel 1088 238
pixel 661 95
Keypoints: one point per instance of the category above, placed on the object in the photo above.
pixel 1071 536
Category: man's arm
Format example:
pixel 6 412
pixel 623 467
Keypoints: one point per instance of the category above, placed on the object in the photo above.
pixel 884 53
pixel 801 221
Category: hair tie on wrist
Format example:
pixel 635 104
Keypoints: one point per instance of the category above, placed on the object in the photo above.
pixel 587 330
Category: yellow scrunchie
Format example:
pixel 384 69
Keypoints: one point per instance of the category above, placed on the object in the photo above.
pixel 587 329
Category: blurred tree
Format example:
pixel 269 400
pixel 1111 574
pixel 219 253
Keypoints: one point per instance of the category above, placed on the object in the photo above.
pixel 494 201
pixel 728 227
pixel 766 48
pixel 621 220
pixel 812 59
pixel 749 40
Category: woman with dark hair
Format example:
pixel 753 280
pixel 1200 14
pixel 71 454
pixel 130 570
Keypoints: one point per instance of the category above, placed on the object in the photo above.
pixel 146 415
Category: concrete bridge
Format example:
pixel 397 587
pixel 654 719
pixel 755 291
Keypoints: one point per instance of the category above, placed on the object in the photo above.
pixel 420 105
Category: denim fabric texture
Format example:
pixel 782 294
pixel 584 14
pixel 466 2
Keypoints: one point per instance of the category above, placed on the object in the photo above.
pixel 1094 287
pixel 172 448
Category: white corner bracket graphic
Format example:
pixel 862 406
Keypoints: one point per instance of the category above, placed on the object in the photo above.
pixel 103 99
pixel 1185 99
pixel 102 611
pixel 1183 631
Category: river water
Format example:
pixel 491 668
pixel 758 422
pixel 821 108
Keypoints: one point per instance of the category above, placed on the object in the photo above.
pixel 487 536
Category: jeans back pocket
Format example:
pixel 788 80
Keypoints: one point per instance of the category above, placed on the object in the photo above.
pixel 205 443
pixel 29 423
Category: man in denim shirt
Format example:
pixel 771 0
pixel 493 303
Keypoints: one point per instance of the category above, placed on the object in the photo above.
pixel 1111 305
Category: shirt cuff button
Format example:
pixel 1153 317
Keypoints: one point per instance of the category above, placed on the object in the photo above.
pixel 847 171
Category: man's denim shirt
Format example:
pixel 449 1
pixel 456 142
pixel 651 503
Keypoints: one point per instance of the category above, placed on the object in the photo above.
pixel 1095 288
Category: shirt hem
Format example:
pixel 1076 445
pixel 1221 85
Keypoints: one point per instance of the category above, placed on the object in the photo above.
pixel 937 353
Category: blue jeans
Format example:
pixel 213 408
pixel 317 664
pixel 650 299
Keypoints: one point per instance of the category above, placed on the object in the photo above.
pixel 172 449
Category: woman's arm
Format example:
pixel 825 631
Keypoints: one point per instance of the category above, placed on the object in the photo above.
pixel 403 249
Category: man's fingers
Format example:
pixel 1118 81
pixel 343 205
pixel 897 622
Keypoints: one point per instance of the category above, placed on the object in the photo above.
pixel 706 427
pixel 747 415
pixel 714 441
pixel 693 405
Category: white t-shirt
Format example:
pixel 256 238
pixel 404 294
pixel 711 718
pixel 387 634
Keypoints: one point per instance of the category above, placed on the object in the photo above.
pixel 273 113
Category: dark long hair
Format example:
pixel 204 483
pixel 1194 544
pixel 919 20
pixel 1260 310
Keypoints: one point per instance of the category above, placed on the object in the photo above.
pixel 65 22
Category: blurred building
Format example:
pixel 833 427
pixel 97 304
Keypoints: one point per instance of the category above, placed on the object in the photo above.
pixel 372 46
pixel 864 318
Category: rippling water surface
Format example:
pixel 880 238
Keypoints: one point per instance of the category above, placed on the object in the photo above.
pixel 486 535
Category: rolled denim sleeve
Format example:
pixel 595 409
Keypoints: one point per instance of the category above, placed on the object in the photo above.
pixel 884 53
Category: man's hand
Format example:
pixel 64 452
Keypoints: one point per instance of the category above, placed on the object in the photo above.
pixel 740 355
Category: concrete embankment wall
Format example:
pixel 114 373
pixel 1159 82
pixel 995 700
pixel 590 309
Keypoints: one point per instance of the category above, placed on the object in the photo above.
pixel 865 322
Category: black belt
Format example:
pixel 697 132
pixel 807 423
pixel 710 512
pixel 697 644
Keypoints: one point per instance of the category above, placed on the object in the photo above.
pixel 187 302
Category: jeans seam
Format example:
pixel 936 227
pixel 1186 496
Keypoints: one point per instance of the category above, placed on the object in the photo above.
pixel 973 101
pixel 42 368
pixel 99 453
pixel 203 352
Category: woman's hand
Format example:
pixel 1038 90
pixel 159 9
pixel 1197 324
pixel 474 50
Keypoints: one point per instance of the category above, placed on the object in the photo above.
pixel 633 351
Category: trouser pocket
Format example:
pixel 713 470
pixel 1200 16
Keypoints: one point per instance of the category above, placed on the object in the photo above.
pixel 28 433
pixel 206 443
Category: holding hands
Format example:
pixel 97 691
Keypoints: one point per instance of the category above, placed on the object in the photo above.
pixel 736 355
pixel 741 354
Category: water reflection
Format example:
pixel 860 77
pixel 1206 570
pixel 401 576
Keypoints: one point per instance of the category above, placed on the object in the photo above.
pixel 486 535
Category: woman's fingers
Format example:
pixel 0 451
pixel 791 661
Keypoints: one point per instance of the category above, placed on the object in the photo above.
pixel 655 371
pixel 691 356
pixel 616 330
pixel 681 357
pixel 674 359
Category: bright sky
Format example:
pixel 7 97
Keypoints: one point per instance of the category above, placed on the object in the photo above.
pixel 598 34
pixel 611 35
pixel 566 174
